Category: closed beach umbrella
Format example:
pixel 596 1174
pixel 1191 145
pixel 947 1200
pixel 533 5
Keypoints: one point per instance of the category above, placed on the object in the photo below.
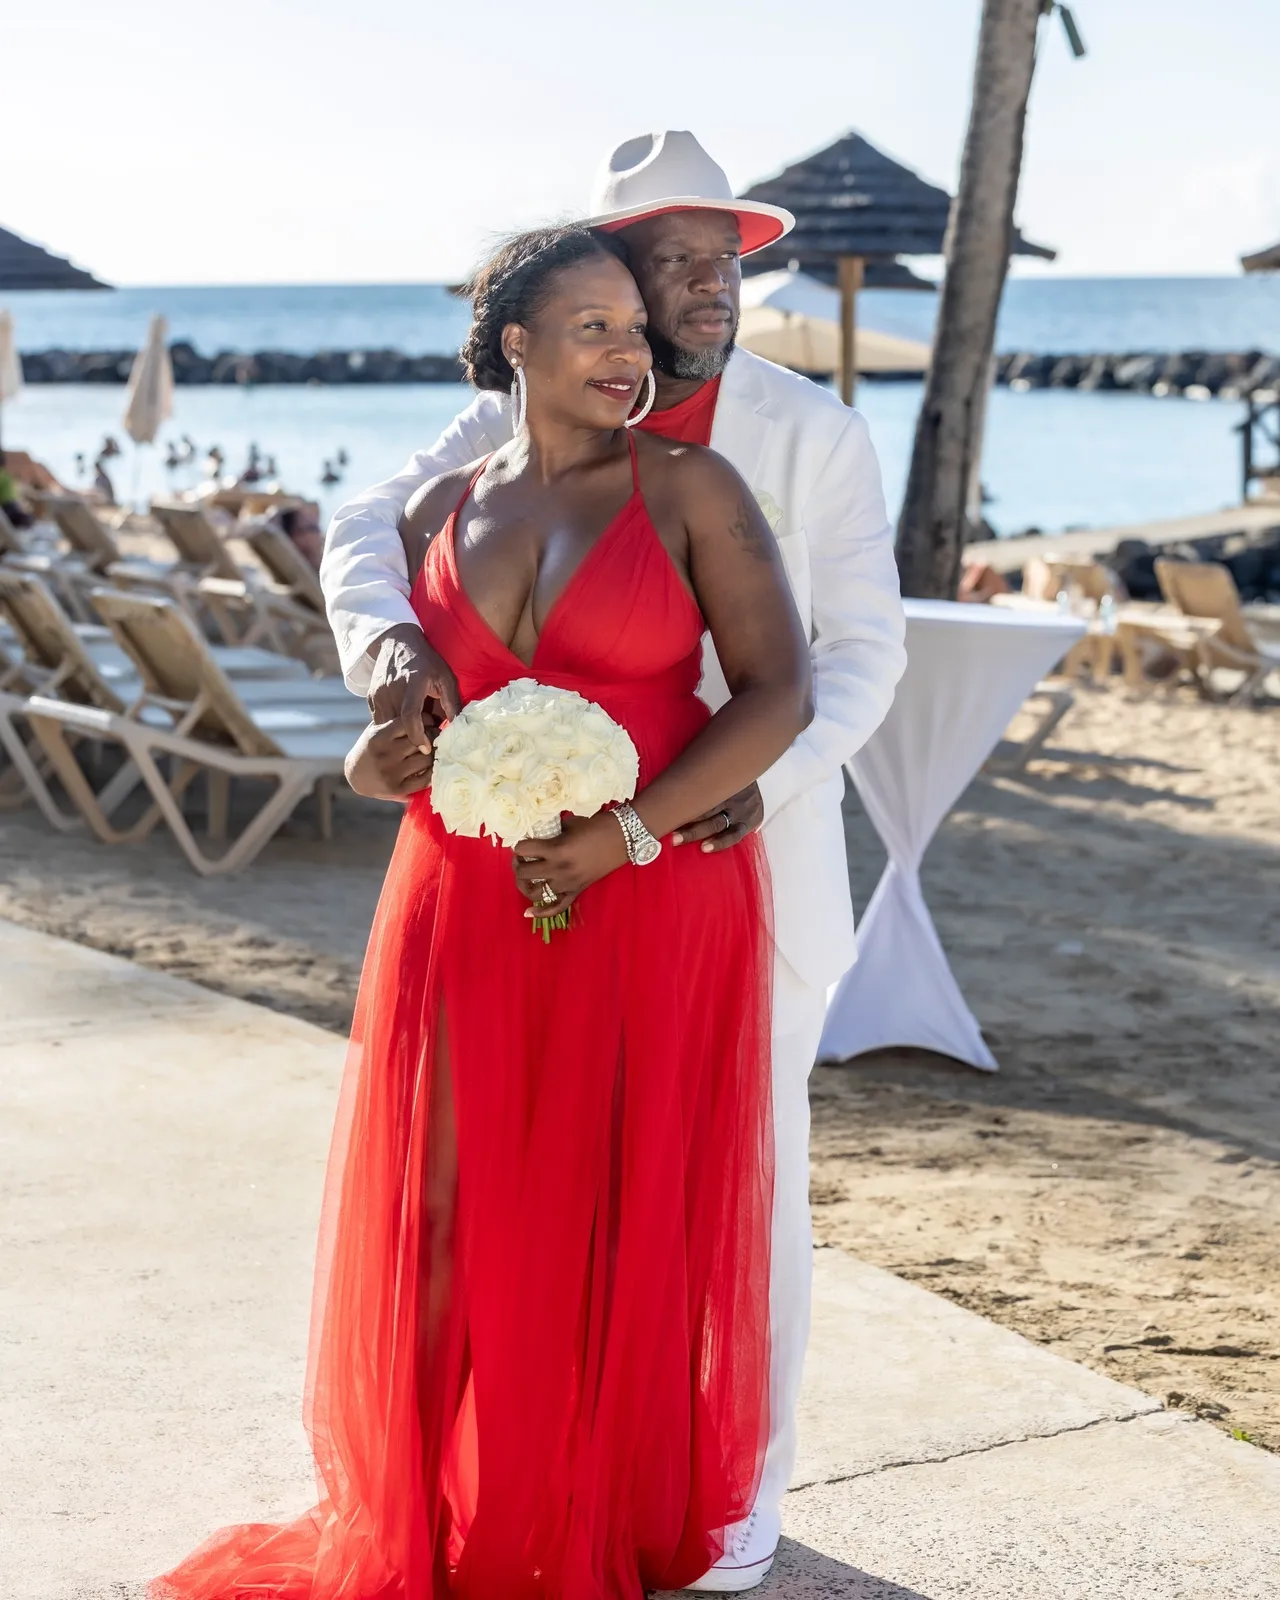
pixel 10 366
pixel 149 401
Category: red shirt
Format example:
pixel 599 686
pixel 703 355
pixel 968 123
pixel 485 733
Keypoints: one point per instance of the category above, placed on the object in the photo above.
pixel 690 421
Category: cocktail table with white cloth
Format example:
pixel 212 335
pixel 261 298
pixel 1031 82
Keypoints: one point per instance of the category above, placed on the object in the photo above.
pixel 969 668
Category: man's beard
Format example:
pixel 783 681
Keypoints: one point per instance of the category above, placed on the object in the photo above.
pixel 673 361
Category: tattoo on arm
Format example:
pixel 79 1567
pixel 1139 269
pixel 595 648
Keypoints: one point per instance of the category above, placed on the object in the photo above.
pixel 749 532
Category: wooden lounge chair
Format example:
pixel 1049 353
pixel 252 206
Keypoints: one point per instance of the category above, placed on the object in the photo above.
pixel 15 685
pixel 47 654
pixel 226 594
pixel 66 575
pixel 51 656
pixel 285 563
pixel 296 600
pixel 54 644
pixel 213 728
pixel 1044 579
pixel 1159 648
pixel 242 608
pixel 200 547
pixel 95 544
pixel 1204 589
pixel 98 557
pixel 79 525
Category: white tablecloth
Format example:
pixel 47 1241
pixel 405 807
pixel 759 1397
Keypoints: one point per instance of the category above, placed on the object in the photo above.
pixel 969 668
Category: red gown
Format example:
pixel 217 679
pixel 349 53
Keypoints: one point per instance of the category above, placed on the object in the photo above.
pixel 548 1379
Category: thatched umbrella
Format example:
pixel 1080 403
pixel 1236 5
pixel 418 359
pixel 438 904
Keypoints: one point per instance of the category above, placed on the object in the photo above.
pixel 1262 260
pixel 24 265
pixel 854 205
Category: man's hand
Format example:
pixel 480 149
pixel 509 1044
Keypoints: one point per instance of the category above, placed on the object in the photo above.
pixel 727 825
pixel 412 685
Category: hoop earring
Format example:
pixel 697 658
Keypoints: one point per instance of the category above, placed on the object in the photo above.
pixel 519 400
pixel 647 407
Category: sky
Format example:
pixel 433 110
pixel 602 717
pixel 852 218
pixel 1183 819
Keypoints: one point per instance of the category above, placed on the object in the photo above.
pixel 383 141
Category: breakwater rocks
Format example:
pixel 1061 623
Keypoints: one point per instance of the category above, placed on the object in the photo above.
pixel 230 366
pixel 1253 559
pixel 1197 374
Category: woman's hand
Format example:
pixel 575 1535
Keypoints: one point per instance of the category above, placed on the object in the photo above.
pixel 589 849
pixel 385 765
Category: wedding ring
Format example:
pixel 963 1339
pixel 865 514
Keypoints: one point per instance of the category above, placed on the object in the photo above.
pixel 728 821
pixel 548 896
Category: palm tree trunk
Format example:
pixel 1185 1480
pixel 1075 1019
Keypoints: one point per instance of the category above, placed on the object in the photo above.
pixel 948 442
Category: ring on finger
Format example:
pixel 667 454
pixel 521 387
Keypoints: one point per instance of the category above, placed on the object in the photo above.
pixel 546 894
pixel 728 821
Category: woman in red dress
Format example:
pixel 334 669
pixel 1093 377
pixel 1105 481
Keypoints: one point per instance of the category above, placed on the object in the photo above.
pixel 539 1362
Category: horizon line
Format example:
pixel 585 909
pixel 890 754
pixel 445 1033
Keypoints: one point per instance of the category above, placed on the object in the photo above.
pixel 442 283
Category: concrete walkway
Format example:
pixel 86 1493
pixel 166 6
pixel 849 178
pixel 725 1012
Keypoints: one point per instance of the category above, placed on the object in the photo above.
pixel 161 1154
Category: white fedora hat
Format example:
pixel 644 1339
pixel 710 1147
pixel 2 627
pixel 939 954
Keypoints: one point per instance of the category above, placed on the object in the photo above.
pixel 661 172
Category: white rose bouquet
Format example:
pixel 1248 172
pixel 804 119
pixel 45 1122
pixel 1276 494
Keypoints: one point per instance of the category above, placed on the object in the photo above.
pixel 509 765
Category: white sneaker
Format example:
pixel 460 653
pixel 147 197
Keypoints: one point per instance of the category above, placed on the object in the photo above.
pixel 749 1552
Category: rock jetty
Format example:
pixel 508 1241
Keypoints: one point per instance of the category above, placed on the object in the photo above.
pixel 1253 559
pixel 1198 374
pixel 232 366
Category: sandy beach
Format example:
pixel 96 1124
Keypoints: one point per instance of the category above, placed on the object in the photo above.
pixel 1110 915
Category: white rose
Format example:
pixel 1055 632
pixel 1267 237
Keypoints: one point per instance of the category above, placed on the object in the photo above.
pixel 535 720
pixel 606 776
pixel 511 755
pixel 506 814
pixel 590 781
pixel 560 739
pixel 465 741
pixel 596 728
pixel 624 753
pixel 525 754
pixel 520 695
pixel 455 798
pixel 547 791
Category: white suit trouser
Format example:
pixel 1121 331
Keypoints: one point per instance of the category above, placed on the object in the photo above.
pixel 798 1012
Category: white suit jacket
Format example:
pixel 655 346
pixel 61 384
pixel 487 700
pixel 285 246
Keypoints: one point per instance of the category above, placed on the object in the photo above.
pixel 810 464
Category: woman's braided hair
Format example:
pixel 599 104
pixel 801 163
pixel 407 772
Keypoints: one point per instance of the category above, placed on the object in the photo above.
pixel 512 285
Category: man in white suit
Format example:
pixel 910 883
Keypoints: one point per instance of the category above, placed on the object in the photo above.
pixel 810 463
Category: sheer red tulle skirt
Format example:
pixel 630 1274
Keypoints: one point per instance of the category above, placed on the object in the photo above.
pixel 539 1354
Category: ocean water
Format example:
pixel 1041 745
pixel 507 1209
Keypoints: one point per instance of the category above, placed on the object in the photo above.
pixel 1053 460
pixel 418 319
pixel 1038 314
